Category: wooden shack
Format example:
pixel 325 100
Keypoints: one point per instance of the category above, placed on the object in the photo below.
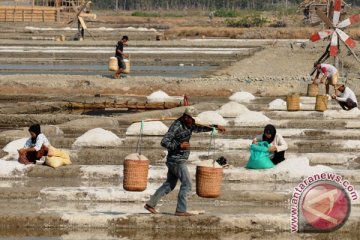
pixel 38 10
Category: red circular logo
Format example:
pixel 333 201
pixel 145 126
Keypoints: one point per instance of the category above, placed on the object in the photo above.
pixel 326 206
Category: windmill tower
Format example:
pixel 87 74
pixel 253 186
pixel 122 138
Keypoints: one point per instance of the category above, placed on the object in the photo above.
pixel 335 33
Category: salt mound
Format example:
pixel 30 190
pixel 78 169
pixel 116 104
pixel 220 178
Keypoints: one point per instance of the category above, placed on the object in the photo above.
pixel 278 104
pixel 242 97
pixel 11 168
pixel 135 156
pixel 251 118
pixel 158 96
pixel 12 147
pixel 150 128
pixel 353 113
pixel 97 137
pixel 211 117
pixel 300 167
pixel 232 109
pixel 209 163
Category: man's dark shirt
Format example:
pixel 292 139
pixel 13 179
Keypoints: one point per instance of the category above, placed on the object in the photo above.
pixel 120 47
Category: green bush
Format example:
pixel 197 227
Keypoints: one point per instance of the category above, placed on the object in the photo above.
pixel 226 13
pixel 247 21
pixel 145 14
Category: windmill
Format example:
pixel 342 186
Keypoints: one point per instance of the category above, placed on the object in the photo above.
pixel 335 33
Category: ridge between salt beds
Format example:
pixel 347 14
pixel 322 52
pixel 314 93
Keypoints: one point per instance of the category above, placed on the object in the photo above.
pixel 97 137
pixel 353 113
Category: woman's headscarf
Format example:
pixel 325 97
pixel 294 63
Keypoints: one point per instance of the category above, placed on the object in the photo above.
pixel 35 128
pixel 271 130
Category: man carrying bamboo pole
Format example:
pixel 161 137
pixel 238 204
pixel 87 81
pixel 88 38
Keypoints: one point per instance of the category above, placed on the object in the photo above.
pixel 176 141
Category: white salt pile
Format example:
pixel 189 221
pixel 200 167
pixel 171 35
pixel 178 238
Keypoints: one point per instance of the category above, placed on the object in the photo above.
pixel 211 117
pixel 12 168
pixel 232 109
pixel 251 118
pixel 135 156
pixel 208 163
pixel 97 137
pixel 159 96
pixel 156 128
pixel 12 147
pixel 353 113
pixel 242 97
pixel 278 104
pixel 300 167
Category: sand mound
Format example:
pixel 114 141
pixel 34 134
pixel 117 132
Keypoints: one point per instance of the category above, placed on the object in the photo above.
pixel 97 137
pixel 232 109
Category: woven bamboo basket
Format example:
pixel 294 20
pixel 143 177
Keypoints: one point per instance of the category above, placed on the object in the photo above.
pixel 135 175
pixel 321 103
pixel 113 64
pixel 293 102
pixel 208 181
pixel 313 90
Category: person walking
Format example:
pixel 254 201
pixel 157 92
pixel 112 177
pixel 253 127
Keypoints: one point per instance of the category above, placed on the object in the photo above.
pixel 329 75
pixel 346 98
pixel 176 141
pixel 120 55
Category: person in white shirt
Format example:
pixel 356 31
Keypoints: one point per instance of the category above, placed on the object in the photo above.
pixel 346 98
pixel 277 142
pixel 35 147
pixel 330 74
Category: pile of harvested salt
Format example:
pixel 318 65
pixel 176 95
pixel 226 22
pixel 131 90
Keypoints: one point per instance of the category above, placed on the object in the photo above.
pixel 242 97
pixel 353 113
pixel 97 137
pixel 232 109
pixel 12 147
pixel 11 168
pixel 159 96
pixel 278 104
pixel 135 156
pixel 155 128
pixel 208 163
pixel 210 117
pixel 251 118
pixel 300 167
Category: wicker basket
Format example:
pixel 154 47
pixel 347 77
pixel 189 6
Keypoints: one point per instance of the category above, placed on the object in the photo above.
pixel 135 175
pixel 208 181
pixel 293 102
pixel 321 103
pixel 313 90
pixel 113 64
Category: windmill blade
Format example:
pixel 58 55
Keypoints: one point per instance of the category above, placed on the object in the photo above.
pixel 345 38
pixel 323 17
pixel 349 21
pixel 334 45
pixel 321 35
pixel 337 9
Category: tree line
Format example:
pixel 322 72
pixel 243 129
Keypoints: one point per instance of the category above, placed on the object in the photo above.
pixel 209 5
